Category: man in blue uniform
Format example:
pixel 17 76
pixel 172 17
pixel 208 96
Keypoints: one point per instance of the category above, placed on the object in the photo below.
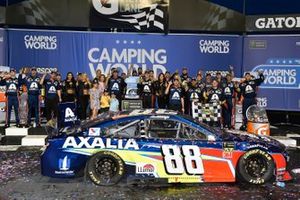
pixel 229 89
pixel 116 85
pixel 214 94
pixel 248 92
pixel 145 90
pixel 175 92
pixel 12 91
pixel 53 95
pixel 33 86
pixel 194 94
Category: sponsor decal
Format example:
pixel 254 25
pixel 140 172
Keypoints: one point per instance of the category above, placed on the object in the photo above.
pixel 135 13
pixel 280 73
pixel 40 42
pixel 257 146
pixel 64 166
pixel 144 168
pixel 122 58
pixel 214 46
pixel 228 148
pixel 92 143
pixel 94 131
pixel 69 115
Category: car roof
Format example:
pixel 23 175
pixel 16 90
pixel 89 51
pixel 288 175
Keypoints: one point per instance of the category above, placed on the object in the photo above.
pixel 109 116
pixel 144 112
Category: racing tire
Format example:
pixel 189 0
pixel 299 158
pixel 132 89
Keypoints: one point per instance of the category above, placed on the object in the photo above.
pixel 105 168
pixel 256 167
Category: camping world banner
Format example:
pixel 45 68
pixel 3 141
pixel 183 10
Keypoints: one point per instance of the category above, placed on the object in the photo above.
pixel 278 57
pixel 87 52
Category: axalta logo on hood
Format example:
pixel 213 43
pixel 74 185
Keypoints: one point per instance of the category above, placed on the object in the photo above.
pixel 214 46
pixel 40 42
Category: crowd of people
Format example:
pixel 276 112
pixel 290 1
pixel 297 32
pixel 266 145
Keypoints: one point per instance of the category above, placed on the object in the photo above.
pixel 103 93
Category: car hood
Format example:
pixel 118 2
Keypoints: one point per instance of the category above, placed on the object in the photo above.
pixel 252 140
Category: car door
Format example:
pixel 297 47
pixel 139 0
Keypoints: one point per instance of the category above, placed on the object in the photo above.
pixel 180 158
pixel 189 154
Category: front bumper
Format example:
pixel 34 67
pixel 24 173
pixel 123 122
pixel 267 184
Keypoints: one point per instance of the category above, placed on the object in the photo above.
pixel 293 164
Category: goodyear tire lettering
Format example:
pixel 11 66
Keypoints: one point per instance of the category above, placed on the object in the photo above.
pixel 266 164
pixel 96 178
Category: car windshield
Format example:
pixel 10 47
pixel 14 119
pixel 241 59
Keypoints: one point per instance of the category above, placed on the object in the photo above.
pixel 205 126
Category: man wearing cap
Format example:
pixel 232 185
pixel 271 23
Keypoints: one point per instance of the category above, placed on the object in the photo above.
pixel 116 85
pixel 53 95
pixel 12 92
pixel 248 92
pixel 32 83
pixel 146 90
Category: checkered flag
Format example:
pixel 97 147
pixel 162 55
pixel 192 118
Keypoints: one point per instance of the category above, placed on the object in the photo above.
pixel 208 112
pixel 218 18
pixel 35 13
pixel 151 16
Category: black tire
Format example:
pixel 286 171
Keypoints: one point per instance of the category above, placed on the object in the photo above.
pixel 256 167
pixel 105 168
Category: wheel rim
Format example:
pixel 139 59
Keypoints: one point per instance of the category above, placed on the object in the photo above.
pixel 106 168
pixel 256 166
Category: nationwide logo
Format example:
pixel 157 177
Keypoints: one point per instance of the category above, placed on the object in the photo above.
pixel 40 42
pixel 64 165
pixel 132 12
pixel 214 46
pixel 120 57
pixel 142 168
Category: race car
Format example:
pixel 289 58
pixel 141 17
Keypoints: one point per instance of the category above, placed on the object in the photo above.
pixel 161 146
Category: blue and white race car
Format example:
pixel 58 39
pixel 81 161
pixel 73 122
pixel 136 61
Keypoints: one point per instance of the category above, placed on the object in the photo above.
pixel 161 146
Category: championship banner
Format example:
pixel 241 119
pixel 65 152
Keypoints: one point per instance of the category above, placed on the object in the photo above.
pixel 89 51
pixel 142 15
pixel 68 115
pixel 278 57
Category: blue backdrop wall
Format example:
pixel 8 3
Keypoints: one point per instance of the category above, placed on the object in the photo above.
pixel 86 52
pixel 277 56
